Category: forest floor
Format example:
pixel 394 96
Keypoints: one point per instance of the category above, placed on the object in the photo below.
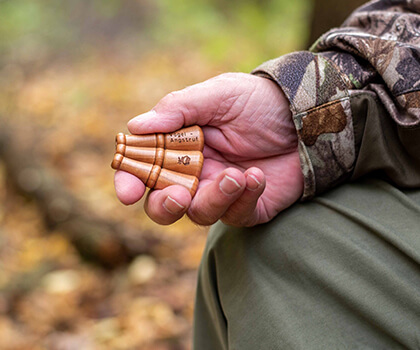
pixel 51 297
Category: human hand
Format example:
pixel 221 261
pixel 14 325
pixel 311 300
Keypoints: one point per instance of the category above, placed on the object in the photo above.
pixel 251 167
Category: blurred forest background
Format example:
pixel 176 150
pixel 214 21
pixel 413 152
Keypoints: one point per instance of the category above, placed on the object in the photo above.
pixel 78 270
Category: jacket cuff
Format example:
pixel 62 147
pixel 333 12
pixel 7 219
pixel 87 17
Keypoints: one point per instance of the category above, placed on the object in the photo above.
pixel 320 104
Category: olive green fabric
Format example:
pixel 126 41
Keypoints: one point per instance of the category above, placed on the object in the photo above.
pixel 387 150
pixel 339 272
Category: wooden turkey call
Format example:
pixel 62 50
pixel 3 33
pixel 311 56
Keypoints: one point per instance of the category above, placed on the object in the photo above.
pixel 161 160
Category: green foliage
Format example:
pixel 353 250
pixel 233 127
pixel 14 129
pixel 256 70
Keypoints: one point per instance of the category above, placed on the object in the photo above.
pixel 24 21
pixel 235 34
pixel 240 34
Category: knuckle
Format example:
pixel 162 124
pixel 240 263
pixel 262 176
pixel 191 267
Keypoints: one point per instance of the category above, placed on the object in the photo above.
pixel 234 220
pixel 170 98
pixel 240 215
pixel 200 218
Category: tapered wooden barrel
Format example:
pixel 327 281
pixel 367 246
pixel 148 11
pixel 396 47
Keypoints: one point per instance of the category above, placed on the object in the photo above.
pixel 190 138
pixel 185 162
pixel 153 176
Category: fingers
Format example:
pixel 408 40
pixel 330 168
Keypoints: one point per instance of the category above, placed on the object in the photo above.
pixel 128 187
pixel 168 205
pixel 231 197
pixel 196 104
pixel 209 205
pixel 213 200
pixel 244 211
pixel 164 207
pixel 175 110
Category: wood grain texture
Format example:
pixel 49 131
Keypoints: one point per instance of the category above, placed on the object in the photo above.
pixel 184 162
pixel 168 178
pixel 191 139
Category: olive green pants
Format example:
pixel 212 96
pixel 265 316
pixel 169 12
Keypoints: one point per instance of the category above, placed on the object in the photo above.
pixel 339 272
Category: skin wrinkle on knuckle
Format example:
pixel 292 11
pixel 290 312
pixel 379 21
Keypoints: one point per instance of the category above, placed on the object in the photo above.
pixel 170 101
pixel 200 220
pixel 201 217
pixel 172 95
pixel 237 218
pixel 208 214
pixel 235 221
pixel 239 221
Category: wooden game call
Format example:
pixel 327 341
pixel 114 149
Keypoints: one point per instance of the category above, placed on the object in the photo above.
pixel 185 162
pixel 161 160
pixel 189 139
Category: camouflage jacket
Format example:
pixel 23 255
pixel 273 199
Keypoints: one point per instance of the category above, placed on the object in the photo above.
pixel 355 97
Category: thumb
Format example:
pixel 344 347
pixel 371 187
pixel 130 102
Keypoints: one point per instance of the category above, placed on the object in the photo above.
pixel 196 104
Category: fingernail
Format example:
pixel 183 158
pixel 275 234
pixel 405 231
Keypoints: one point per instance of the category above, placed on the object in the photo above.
pixel 142 118
pixel 229 185
pixel 172 206
pixel 254 184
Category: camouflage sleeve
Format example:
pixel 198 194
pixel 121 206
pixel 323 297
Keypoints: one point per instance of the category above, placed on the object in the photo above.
pixel 355 97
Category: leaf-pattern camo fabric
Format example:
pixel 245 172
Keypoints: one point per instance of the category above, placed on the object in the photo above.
pixel 355 97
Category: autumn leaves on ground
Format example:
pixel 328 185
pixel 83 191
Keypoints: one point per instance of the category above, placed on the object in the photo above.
pixel 51 296
pixel 78 270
